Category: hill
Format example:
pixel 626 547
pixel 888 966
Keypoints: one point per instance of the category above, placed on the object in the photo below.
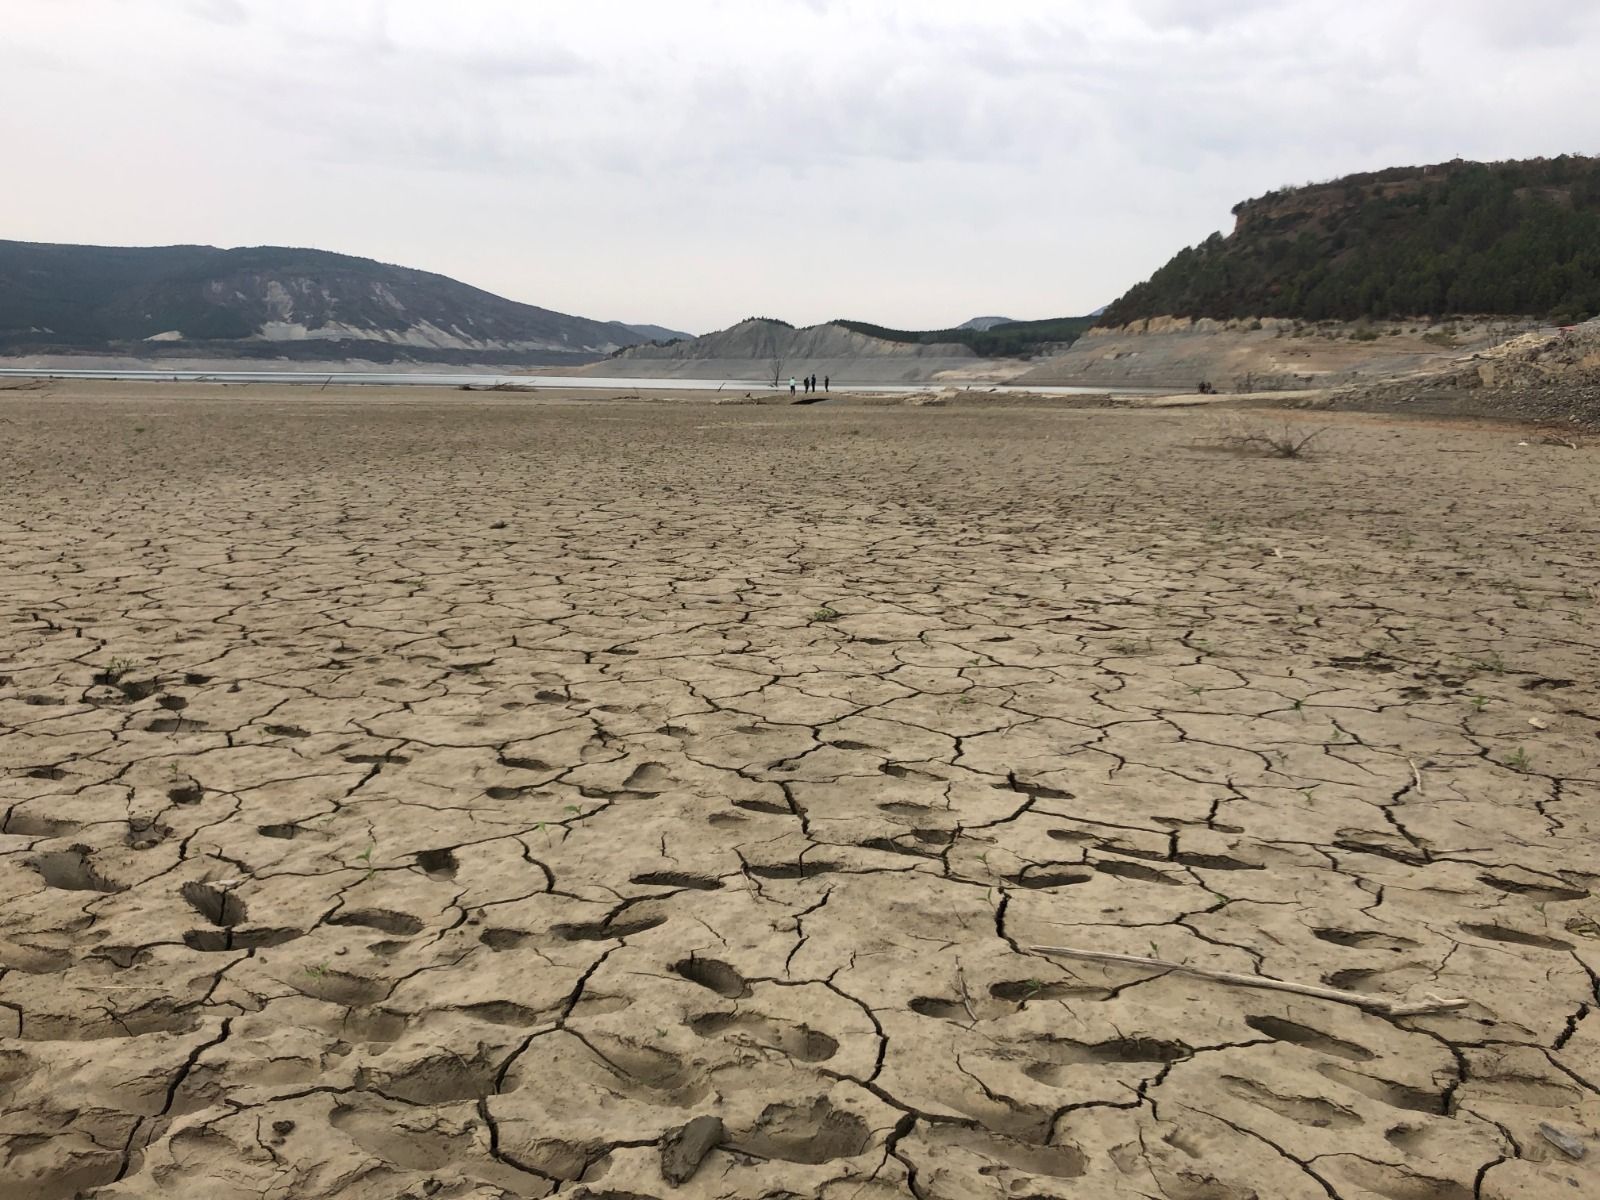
pixel 1506 239
pixel 761 349
pixel 1003 339
pixel 272 300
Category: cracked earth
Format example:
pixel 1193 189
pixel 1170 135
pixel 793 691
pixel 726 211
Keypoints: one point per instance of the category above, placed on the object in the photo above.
pixel 446 797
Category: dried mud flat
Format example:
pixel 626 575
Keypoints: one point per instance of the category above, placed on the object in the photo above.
pixel 454 797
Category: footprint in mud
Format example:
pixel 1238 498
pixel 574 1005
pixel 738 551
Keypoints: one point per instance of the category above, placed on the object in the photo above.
pixel 384 1132
pixel 1071 835
pixel 655 1069
pixel 157 1017
pixel 1129 870
pixel 507 793
pixel 526 764
pixel 713 974
pixel 763 806
pixel 191 793
pixel 1516 937
pixel 372 1027
pixel 376 760
pixel 602 931
pixel 889 846
pixel 438 1079
pixel 1055 1162
pixel 338 987
pixel 502 1012
pixel 1051 1060
pixel 438 865
pixel 27 824
pixel 176 725
pixel 804 870
pixel 50 773
pixel 1302 1035
pixel 1364 939
pixel 896 771
pixel 73 870
pixel 1021 991
pixel 217 905
pixel 1215 862
pixel 280 831
pixel 505 939
pixel 811 1133
pixel 1547 892
pixel 794 1041
pixel 1013 995
pixel 382 919
pixel 843 744
pixel 1395 1095
pixel 1034 791
pixel 648 779
pixel 33 960
pixel 898 808
pixel 1305 1110
pixel 678 879
pixel 1052 875
pixel 222 940
pixel 1398 1183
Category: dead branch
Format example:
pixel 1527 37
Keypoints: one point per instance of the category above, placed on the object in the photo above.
pixel 1377 1004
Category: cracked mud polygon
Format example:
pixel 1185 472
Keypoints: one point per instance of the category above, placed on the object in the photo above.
pixel 448 797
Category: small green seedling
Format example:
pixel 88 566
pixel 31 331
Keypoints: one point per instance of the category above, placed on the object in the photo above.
pixel 1517 760
pixel 317 970
pixel 826 614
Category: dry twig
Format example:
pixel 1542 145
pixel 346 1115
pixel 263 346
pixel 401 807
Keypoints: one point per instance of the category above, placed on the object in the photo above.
pixel 1376 1004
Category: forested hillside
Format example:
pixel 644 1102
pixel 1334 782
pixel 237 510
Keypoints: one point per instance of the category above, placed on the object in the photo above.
pixel 1509 238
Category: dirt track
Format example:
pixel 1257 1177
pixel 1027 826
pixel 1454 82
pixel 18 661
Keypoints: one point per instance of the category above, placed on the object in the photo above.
pixel 474 791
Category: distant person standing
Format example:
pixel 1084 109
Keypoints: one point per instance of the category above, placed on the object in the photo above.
pixel 826 380
pixel 791 385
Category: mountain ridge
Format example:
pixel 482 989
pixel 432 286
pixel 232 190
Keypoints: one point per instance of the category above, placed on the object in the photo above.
pixel 293 301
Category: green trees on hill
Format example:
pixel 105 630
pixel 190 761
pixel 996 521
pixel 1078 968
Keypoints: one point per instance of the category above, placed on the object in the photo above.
pixel 1011 339
pixel 1503 238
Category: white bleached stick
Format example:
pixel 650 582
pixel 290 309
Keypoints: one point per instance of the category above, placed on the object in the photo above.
pixel 1377 1004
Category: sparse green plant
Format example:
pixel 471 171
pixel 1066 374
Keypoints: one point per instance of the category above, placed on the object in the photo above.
pixel 573 809
pixel 1479 703
pixel 826 614
pixel 1517 760
pixel 1491 662
pixel 117 668
pixel 318 970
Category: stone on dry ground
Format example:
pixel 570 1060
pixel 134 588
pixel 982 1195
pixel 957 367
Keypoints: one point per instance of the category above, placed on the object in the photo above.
pixel 455 798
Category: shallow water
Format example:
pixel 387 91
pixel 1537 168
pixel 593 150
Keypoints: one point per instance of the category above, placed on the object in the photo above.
pixel 459 379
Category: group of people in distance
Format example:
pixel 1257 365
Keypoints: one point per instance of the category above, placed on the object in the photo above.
pixel 810 383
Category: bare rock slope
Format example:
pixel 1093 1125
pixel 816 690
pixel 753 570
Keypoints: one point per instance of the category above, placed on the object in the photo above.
pixel 761 349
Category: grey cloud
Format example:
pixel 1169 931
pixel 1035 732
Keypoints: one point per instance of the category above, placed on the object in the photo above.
pixel 631 156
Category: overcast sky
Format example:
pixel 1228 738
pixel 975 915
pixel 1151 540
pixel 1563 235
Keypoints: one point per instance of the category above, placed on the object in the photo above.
pixel 692 162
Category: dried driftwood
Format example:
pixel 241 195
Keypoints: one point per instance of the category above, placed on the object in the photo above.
pixel 1377 1004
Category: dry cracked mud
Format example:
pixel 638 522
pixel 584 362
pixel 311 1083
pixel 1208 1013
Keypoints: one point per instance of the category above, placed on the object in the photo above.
pixel 430 796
